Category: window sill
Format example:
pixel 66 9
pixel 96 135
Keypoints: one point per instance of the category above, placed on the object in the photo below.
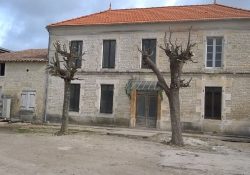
pixel 213 69
pixel 106 115
pixel 108 70
pixel 74 113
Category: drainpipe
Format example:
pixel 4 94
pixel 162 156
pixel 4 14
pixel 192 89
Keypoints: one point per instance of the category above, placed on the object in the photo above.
pixel 46 87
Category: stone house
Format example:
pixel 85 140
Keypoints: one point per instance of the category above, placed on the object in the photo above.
pixel 118 89
pixel 23 80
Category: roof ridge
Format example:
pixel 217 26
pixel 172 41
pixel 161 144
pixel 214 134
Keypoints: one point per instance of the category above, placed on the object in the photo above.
pixel 228 6
pixel 85 16
pixel 137 8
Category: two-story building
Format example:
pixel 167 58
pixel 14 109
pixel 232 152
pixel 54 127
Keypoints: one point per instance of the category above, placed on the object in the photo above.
pixel 118 88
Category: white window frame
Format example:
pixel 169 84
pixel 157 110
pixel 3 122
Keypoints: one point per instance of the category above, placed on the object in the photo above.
pixel 214 52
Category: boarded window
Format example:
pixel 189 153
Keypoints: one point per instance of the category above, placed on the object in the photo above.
pixel 213 97
pixel 214 52
pixel 76 47
pixel 74 97
pixel 150 45
pixel 109 47
pixel 107 92
pixel 28 100
pixel 2 69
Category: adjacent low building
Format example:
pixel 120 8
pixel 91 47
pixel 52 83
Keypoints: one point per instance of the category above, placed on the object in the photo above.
pixel 23 81
pixel 118 88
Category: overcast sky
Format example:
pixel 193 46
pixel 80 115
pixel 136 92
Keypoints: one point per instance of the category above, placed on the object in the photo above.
pixel 23 22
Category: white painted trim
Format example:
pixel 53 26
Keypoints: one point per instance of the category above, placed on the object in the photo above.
pixel 214 53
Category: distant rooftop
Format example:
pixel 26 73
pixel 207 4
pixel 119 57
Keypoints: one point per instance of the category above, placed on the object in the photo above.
pixel 31 55
pixel 158 15
pixel 3 50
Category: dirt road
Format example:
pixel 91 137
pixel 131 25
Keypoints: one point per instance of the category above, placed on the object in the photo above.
pixel 96 154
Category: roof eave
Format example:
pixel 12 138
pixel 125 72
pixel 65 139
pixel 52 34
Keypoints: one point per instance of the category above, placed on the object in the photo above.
pixel 151 22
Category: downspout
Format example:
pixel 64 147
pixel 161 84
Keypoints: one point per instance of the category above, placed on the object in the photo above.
pixel 46 86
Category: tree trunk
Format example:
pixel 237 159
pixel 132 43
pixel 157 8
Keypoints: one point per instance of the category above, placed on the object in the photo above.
pixel 65 113
pixel 174 105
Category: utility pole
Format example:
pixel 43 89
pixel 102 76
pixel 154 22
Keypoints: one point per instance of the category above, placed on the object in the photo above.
pixel 214 1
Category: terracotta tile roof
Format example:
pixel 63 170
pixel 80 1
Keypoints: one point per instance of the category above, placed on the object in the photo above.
pixel 31 55
pixel 158 14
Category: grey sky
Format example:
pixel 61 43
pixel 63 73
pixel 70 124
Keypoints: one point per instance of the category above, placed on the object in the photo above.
pixel 23 22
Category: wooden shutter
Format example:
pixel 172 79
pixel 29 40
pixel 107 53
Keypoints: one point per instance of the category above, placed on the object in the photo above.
pixel 107 92
pixel 109 49
pixel 105 61
pixel 112 54
pixel 24 100
pixel 74 97
pixel 28 100
pixel 31 100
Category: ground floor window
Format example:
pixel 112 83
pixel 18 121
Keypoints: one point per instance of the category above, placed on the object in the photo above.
pixel 213 96
pixel 107 93
pixel 28 100
pixel 74 97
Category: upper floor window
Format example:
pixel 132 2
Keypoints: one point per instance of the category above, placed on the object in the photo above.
pixel 109 47
pixel 107 93
pixel 214 52
pixel 76 47
pixel 74 97
pixel 149 44
pixel 2 69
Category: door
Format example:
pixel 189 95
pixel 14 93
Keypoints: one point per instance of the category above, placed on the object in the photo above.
pixel 146 109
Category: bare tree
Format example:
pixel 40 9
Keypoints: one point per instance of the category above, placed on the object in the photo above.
pixel 178 56
pixel 64 65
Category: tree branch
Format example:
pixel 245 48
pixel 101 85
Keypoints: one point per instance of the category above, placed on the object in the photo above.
pixel 146 58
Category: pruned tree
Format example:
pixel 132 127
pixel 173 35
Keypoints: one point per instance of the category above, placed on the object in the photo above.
pixel 64 65
pixel 178 56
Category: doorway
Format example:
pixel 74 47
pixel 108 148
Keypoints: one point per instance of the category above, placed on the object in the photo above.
pixel 146 109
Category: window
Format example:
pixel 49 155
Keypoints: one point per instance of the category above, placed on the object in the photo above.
pixel 214 52
pixel 107 92
pixel 149 44
pixel 28 100
pixel 74 97
pixel 2 69
pixel 213 97
pixel 109 47
pixel 76 47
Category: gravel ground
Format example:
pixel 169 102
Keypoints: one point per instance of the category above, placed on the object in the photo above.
pixel 97 154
